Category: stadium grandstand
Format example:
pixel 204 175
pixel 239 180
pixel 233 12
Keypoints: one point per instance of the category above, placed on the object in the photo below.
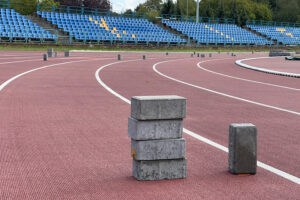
pixel 80 25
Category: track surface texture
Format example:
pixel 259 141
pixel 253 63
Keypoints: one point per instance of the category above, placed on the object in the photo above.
pixel 277 64
pixel 64 136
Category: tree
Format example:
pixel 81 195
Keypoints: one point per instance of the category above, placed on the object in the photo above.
pixel 99 4
pixel 70 2
pixel 46 5
pixel 25 7
pixel 168 8
pixel 221 12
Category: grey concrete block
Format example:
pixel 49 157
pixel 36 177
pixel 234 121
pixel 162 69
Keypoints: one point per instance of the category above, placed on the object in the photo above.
pixel 159 169
pixel 56 54
pixel 167 54
pixel 242 149
pixel 158 149
pixel 50 53
pixel 67 53
pixel 210 55
pixel 45 57
pixel 119 57
pixel 144 57
pixel 192 55
pixel 154 129
pixel 198 54
pixel 158 107
pixel 202 55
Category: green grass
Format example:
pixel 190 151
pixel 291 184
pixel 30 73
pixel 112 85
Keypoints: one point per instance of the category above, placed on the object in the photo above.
pixel 44 47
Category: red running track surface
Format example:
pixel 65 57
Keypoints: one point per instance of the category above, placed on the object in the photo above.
pixel 63 136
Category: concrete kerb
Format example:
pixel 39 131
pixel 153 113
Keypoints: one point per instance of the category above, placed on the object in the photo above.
pixel 241 64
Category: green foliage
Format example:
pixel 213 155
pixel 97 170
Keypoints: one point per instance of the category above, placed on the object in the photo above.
pixel 25 7
pixel 46 5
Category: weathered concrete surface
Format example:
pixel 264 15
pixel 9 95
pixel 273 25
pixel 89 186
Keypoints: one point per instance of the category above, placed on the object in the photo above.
pixel 158 107
pixel 50 53
pixel 154 129
pixel 67 53
pixel 158 149
pixel 159 169
pixel 242 149
pixel 45 57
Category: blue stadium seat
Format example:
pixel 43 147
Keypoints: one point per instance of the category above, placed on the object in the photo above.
pixel 216 33
pixel 106 28
pixel 284 35
pixel 14 26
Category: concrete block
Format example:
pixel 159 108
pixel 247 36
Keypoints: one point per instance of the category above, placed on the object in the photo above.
pixel 55 54
pixel 202 55
pixel 119 57
pixel 192 55
pixel 242 149
pixel 198 54
pixel 167 54
pixel 159 169
pixel 45 57
pixel 158 107
pixel 67 53
pixel 154 129
pixel 210 55
pixel 144 57
pixel 158 149
pixel 50 53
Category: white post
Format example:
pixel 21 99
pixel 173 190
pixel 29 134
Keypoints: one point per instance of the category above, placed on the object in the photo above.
pixel 197 12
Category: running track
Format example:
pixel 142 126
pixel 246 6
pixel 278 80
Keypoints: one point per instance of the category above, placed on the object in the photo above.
pixel 64 136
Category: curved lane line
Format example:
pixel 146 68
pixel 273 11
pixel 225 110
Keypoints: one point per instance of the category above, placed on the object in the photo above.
pixel 242 79
pixel 192 134
pixel 241 64
pixel 3 85
pixel 223 94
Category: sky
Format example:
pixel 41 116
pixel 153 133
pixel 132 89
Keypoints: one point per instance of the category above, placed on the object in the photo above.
pixel 122 5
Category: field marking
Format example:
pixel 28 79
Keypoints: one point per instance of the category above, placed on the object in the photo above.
pixel 242 79
pixel 3 85
pixel 222 94
pixel 193 134
pixel 241 64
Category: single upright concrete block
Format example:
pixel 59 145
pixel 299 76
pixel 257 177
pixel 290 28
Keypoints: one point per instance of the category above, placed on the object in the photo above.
pixel 159 169
pixel 67 53
pixel 55 54
pixel 158 149
pixel 167 54
pixel 144 57
pixel 198 55
pixel 154 129
pixel 194 52
pixel 252 51
pixel 119 57
pixel 158 107
pixel 50 52
pixel 202 55
pixel 45 57
pixel 210 55
pixel 242 149
pixel 192 55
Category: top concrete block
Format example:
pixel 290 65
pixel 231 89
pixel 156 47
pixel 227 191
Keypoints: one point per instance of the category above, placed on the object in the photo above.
pixel 158 107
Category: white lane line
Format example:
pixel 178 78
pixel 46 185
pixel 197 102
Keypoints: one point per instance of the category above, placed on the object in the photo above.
pixel 19 61
pixel 242 79
pixel 241 64
pixel 195 135
pixel 222 94
pixel 3 85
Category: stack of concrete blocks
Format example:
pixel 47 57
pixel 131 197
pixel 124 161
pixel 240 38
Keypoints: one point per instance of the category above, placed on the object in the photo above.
pixel 242 149
pixel 155 128
pixel 50 52
pixel 67 53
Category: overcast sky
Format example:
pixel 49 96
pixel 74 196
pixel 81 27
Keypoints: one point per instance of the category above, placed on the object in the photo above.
pixel 122 5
